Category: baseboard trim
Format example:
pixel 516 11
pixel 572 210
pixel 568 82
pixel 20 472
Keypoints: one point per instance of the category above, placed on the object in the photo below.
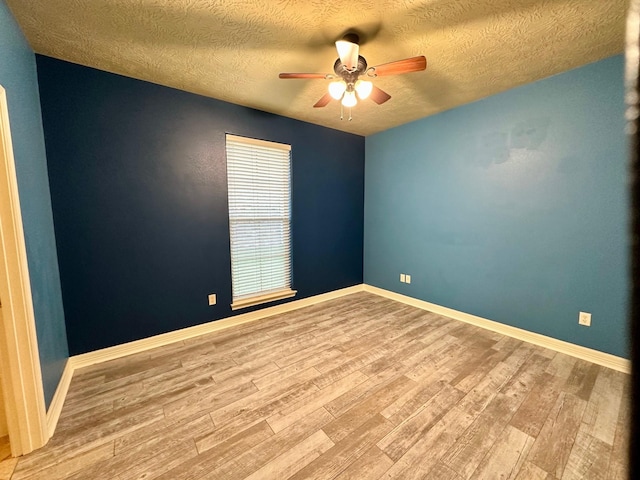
pixel 605 359
pixel 137 346
pixel 57 402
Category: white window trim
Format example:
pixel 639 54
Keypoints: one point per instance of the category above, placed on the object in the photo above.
pixel 269 296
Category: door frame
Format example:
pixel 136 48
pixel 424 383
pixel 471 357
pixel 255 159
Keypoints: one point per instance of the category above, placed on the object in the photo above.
pixel 19 358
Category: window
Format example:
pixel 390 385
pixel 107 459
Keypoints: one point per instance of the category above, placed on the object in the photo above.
pixel 259 180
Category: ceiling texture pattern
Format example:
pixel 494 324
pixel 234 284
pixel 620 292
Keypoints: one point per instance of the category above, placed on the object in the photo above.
pixel 233 50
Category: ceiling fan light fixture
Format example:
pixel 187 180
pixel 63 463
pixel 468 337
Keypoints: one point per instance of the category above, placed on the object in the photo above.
pixel 363 88
pixel 348 53
pixel 349 99
pixel 346 86
pixel 337 89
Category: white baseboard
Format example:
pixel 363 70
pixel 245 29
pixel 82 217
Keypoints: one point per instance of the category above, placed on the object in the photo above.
pixel 605 359
pixel 137 346
pixel 55 408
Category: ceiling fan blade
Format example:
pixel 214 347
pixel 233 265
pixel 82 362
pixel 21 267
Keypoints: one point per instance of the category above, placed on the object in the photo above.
pixel 413 64
pixel 378 95
pixel 324 101
pixel 348 51
pixel 303 75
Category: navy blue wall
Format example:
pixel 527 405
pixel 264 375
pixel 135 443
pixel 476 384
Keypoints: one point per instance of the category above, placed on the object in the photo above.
pixel 513 208
pixel 139 194
pixel 19 79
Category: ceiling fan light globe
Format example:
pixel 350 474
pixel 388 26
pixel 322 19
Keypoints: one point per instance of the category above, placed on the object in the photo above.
pixel 349 99
pixel 337 89
pixel 348 53
pixel 363 88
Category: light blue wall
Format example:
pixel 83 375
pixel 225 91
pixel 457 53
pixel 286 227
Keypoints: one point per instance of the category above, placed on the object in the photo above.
pixel 19 79
pixel 513 208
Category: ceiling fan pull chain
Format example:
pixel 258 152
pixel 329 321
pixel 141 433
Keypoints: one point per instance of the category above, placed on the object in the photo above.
pixel 350 118
pixel 341 111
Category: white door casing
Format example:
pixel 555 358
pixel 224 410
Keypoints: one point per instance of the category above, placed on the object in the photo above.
pixel 19 360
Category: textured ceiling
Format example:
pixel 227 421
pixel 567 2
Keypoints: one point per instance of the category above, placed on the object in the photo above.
pixel 233 50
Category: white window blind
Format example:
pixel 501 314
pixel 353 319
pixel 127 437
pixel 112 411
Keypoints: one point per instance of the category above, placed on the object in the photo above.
pixel 259 181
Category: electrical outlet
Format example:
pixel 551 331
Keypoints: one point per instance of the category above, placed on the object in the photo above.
pixel 212 299
pixel 407 278
pixel 403 277
pixel 584 318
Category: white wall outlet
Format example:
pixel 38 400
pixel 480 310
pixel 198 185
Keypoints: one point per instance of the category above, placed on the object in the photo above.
pixel 212 299
pixel 584 318
pixel 402 277
pixel 407 278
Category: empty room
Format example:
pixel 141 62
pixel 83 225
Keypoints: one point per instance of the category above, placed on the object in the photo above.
pixel 314 240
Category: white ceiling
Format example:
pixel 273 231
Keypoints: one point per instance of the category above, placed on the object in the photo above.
pixel 233 50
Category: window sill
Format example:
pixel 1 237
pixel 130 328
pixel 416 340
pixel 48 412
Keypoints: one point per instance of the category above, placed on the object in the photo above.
pixel 269 297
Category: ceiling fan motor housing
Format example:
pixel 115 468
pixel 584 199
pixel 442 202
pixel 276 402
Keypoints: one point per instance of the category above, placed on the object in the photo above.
pixel 346 75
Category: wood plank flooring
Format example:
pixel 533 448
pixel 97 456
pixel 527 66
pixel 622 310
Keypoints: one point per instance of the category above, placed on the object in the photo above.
pixel 356 388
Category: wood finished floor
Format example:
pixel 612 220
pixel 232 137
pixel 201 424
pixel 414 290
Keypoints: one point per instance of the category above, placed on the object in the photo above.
pixel 356 388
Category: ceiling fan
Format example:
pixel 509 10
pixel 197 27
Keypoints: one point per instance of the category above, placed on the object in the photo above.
pixel 347 86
